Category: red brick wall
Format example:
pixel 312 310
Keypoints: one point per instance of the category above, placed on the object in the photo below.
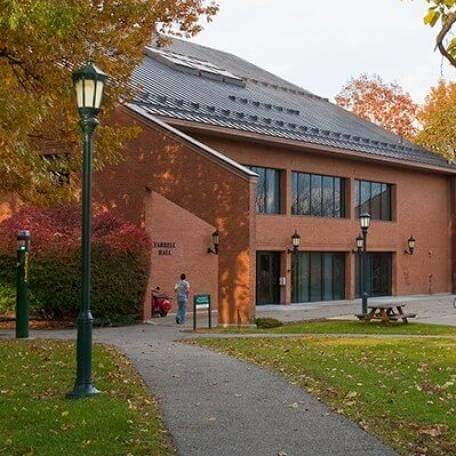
pixel 212 191
pixel 422 208
pixel 189 238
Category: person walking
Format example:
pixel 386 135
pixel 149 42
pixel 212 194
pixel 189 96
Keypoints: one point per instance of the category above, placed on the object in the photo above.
pixel 182 289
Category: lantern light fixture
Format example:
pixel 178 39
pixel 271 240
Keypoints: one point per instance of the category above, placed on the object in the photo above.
pixel 23 240
pixel 215 242
pixel 89 82
pixel 365 220
pixel 411 244
pixel 295 242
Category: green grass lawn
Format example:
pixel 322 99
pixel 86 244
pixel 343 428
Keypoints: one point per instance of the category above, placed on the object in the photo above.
pixel 401 390
pixel 36 419
pixel 351 327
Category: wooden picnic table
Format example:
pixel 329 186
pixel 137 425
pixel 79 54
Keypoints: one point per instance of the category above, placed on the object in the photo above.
pixel 386 313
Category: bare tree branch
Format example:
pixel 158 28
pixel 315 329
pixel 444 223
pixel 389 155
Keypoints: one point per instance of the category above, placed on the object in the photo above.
pixel 451 20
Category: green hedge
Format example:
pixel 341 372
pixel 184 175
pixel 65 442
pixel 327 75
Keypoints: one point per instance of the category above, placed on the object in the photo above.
pixel 120 270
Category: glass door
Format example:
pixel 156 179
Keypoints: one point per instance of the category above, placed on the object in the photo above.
pixel 268 278
pixel 379 274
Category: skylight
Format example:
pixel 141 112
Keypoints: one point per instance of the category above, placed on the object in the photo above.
pixel 194 66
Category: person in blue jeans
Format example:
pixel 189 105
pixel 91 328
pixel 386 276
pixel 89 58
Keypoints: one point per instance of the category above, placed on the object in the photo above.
pixel 182 289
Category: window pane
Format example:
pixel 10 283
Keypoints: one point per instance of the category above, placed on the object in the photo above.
pixel 386 202
pixel 260 195
pixel 365 197
pixel 294 193
pixel 338 197
pixel 328 196
pixel 301 277
pixel 304 194
pixel 316 193
pixel 328 276
pixel 376 201
pixel 339 276
pixel 272 190
pixel 315 277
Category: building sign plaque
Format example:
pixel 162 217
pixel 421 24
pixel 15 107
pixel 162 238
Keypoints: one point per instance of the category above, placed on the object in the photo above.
pixel 164 248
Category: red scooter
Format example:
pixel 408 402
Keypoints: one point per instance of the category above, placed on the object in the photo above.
pixel 161 303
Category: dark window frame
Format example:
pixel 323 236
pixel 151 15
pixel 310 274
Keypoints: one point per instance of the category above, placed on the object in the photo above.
pixel 385 215
pixel 277 205
pixel 339 206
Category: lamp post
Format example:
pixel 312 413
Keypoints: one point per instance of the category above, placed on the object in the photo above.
pixel 296 243
pixel 88 84
pixel 364 220
pixel 22 291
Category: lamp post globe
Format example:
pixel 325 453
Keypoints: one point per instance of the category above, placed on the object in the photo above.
pixel 89 84
pixel 365 220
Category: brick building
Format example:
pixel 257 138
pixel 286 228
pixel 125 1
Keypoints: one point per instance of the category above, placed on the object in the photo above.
pixel 227 146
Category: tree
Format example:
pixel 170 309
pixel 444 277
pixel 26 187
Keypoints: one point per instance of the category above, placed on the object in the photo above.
pixel 443 12
pixel 41 41
pixel 438 120
pixel 387 105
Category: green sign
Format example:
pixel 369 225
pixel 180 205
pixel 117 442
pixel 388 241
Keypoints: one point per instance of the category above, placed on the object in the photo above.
pixel 202 301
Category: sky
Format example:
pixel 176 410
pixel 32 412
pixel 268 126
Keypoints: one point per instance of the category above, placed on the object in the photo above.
pixel 320 45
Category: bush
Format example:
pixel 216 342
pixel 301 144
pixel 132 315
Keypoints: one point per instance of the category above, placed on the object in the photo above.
pixel 120 265
pixel 268 323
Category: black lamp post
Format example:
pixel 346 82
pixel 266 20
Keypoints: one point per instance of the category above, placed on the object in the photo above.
pixel 364 221
pixel 296 243
pixel 88 84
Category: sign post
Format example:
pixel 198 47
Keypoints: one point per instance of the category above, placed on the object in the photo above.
pixel 202 302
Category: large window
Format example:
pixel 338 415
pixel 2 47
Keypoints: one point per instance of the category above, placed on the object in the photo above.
pixel 374 198
pixel 268 190
pixel 318 276
pixel 320 196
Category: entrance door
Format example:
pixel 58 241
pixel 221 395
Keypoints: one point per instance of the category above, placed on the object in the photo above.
pixel 268 278
pixel 379 270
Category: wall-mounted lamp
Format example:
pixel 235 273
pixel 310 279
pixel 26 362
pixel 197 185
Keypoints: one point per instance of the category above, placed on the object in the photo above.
pixel 296 242
pixel 411 244
pixel 359 244
pixel 216 242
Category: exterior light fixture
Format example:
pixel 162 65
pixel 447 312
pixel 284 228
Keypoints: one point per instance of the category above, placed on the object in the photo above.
pixel 23 240
pixel 89 83
pixel 364 221
pixel 216 242
pixel 295 242
pixel 411 244
pixel 359 243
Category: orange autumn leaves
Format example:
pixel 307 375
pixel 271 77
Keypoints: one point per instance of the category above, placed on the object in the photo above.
pixel 384 104
pixel 432 125
pixel 40 42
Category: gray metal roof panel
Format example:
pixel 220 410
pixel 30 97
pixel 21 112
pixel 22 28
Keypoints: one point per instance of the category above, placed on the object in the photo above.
pixel 267 105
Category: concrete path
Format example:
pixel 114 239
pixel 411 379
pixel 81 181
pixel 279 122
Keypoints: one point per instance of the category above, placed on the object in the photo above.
pixel 214 405
pixel 438 309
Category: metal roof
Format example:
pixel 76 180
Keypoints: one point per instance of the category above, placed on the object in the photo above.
pixel 263 104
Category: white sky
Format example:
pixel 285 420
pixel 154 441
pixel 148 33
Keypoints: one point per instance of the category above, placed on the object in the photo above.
pixel 319 45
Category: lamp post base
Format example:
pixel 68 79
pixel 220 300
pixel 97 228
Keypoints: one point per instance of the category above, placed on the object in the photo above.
pixel 83 390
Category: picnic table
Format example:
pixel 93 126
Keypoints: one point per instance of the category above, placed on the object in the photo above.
pixel 386 313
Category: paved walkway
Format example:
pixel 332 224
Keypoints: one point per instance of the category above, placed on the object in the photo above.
pixel 214 405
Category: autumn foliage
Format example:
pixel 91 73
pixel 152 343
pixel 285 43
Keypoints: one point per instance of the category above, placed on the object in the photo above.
pixel 438 120
pixel 41 41
pixel 120 262
pixel 384 104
